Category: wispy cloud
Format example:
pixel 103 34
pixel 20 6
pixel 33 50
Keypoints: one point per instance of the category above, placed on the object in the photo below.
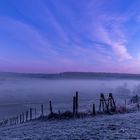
pixel 113 36
pixel 59 35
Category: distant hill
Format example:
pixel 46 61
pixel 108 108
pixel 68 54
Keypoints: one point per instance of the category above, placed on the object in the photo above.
pixel 73 75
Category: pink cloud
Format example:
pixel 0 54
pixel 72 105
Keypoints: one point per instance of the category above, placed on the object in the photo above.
pixel 118 43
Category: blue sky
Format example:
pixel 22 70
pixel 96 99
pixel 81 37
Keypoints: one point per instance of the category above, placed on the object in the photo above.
pixel 70 35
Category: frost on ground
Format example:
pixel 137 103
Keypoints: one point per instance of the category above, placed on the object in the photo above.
pixel 120 126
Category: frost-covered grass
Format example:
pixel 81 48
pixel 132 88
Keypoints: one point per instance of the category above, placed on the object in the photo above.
pixel 120 126
pixel 17 95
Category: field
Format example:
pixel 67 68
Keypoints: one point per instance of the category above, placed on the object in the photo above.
pixel 18 94
pixel 119 127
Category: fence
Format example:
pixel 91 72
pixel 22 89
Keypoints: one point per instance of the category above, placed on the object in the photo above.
pixel 105 106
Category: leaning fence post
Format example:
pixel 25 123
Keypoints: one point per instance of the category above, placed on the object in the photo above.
pixel 93 109
pixel 50 107
pixel 111 103
pixel 103 103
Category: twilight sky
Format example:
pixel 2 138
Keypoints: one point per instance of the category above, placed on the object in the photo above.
pixel 70 35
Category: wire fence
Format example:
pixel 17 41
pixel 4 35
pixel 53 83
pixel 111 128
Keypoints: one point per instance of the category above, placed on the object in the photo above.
pixel 24 112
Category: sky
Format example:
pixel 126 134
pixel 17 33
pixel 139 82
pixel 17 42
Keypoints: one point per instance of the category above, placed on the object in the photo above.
pixel 52 36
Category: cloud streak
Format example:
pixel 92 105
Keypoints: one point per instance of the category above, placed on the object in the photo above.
pixel 56 36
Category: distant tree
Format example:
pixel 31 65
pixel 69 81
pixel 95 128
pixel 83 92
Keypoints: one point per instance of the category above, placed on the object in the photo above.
pixel 123 91
pixel 136 89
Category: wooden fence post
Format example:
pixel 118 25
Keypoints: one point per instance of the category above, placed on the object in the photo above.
pixel 20 118
pixel 111 103
pixel 35 113
pixel 76 103
pixel 42 110
pixel 17 119
pixel 93 109
pixel 26 116
pixel 103 103
pixel 30 113
pixel 74 100
pixel 50 107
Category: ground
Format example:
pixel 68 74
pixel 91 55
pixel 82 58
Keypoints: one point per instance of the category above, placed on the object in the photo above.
pixel 103 127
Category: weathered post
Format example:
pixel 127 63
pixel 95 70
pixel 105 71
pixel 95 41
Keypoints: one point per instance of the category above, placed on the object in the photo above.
pixel 103 103
pixel 74 100
pixel 30 113
pixel 93 110
pixel 76 103
pixel 42 110
pixel 50 107
pixel 111 103
pixel 59 114
pixel 35 113
pixel 26 116
pixel 20 118
pixel 125 105
pixel 17 119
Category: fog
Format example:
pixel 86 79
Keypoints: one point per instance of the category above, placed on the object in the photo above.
pixel 17 94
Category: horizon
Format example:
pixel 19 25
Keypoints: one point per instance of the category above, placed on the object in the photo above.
pixel 34 73
pixel 60 36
